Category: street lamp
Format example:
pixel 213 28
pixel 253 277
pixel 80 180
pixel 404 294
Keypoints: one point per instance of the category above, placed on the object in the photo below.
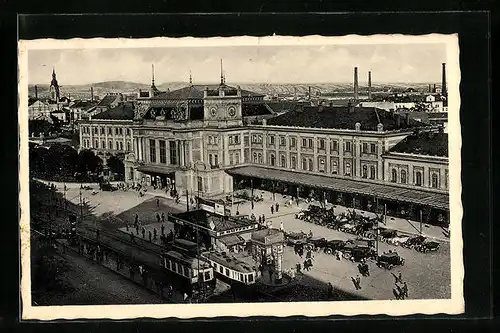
pixel 197 166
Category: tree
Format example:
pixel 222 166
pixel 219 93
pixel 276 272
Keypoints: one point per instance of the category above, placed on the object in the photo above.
pixel 64 159
pixel 88 162
pixel 116 165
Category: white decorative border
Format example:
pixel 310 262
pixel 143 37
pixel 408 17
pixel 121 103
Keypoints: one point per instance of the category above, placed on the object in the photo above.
pixel 455 305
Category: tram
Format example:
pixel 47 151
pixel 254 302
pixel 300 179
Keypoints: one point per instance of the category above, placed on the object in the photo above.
pixel 189 267
pixel 230 269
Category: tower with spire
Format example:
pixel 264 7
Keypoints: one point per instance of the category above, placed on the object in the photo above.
pixel 54 87
pixel 222 77
pixel 153 91
pixel 190 78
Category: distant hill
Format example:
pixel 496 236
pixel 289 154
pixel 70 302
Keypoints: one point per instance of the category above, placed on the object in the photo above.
pixel 126 87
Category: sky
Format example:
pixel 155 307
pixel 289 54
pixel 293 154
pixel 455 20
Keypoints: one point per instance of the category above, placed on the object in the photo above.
pixel 389 63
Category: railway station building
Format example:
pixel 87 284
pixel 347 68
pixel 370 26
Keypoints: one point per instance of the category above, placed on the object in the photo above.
pixel 199 139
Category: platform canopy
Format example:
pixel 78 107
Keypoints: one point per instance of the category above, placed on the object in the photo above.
pixel 381 191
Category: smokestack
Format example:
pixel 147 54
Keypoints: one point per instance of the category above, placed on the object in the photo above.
pixel 356 83
pixel 36 92
pixel 91 94
pixel 369 85
pixel 434 88
pixel 444 92
pixel 430 90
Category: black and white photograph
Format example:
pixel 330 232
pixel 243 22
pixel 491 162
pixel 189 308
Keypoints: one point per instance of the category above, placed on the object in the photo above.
pixel 240 176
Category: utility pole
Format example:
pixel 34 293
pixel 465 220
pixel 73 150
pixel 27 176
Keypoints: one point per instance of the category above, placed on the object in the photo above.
pixel 420 220
pixel 251 184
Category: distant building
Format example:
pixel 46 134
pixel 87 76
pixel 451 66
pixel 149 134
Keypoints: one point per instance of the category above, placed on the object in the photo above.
pixel 81 108
pixel 109 101
pixel 38 107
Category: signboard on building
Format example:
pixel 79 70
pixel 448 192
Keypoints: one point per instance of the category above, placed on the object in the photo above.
pixel 213 207
pixel 219 209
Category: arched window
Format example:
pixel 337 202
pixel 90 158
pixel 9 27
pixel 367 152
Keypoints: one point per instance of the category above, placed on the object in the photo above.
pixel 283 161
pixel 365 171
pixel 348 169
pixel 128 146
pixel 255 160
pixel 96 144
pixel 394 177
pixel 272 160
pixel 110 144
pixel 260 158
pixel 310 164
pixel 103 144
pixel 403 176
pixel 434 182
pixel 335 167
pixel 372 172
pixel 418 178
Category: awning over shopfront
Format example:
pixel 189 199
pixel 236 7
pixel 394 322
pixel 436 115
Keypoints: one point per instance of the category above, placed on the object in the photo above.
pixel 381 191
pixel 156 169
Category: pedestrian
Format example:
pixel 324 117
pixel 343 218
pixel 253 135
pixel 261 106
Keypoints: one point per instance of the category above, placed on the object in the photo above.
pixel 162 217
pixel 298 267
pixel 150 235
pixel 272 209
pixel 157 202
pixel 158 217
pixel 310 234
pixel 163 230
pixel 400 277
pixel 277 207
pixel 358 281
pixel 281 226
pixel 263 218
pixel 126 226
pixel 154 233
pixel 330 290
pixel 396 293
pixel 260 220
pixel 405 289
pixel 143 232
pixel 355 283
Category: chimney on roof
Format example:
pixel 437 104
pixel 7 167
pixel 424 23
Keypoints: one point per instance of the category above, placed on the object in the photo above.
pixel 356 84
pixel 430 89
pixel 91 94
pixel 309 93
pixel 369 85
pixel 36 92
pixel 443 83
pixel 434 90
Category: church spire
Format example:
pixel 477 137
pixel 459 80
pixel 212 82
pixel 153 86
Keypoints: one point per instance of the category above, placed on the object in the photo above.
pixel 152 75
pixel 222 80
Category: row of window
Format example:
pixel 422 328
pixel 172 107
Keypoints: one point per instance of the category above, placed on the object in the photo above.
pixel 307 164
pixel 102 130
pixel 234 140
pixel 118 145
pixel 418 181
pixel 234 158
pixel 163 152
pixel 233 274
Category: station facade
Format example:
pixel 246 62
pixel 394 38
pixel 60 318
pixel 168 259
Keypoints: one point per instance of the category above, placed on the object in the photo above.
pixel 197 139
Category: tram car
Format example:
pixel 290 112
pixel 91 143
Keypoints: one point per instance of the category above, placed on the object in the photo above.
pixel 192 269
pixel 229 269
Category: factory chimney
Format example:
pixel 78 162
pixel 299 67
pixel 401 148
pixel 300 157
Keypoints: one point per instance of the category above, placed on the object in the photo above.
pixel 369 85
pixel 36 92
pixel 356 84
pixel 309 92
pixel 430 89
pixel 434 88
pixel 444 92
pixel 91 94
